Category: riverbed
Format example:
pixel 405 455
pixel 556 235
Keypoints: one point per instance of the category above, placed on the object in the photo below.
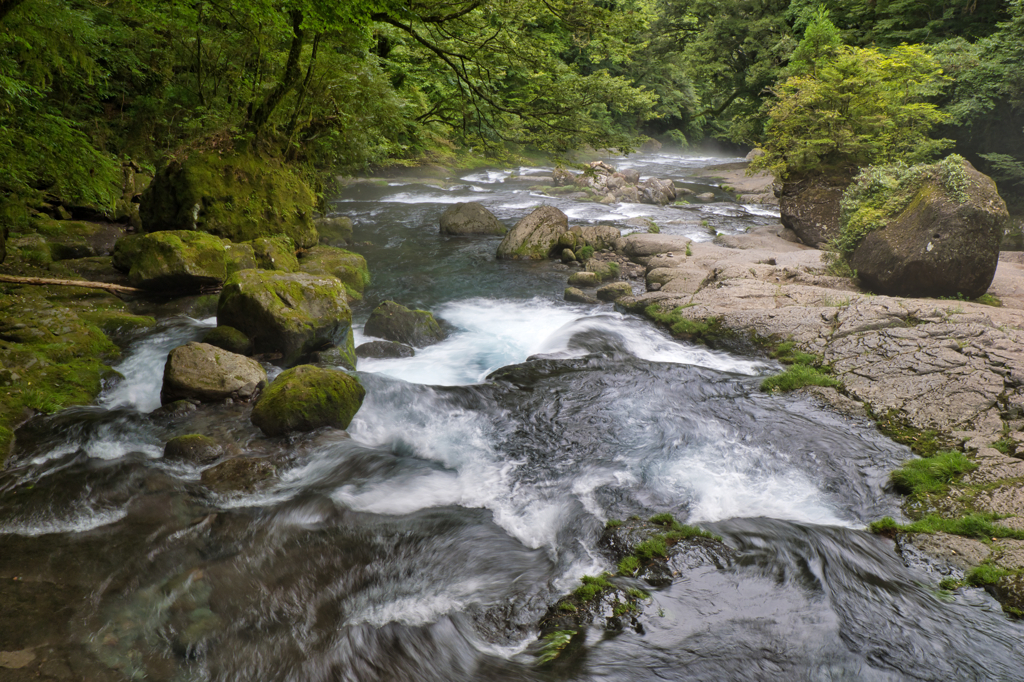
pixel 427 542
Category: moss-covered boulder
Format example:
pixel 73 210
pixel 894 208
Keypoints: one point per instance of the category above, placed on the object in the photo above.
pixel 230 339
pixel 384 350
pixel 584 279
pixel 395 322
pixel 335 231
pixel 605 270
pixel 239 257
pixel 193 448
pixel 240 197
pixel 179 260
pixel 286 313
pixel 470 218
pixel 305 398
pixel 275 253
pixel 574 295
pixel 614 291
pixel 349 267
pixel 535 236
pixel 933 232
pixel 70 239
pixel 206 373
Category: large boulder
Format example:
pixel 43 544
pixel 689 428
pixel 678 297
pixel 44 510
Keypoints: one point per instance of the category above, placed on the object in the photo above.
pixel 470 218
pixel 305 398
pixel 172 260
pixel 810 207
pixel 397 323
pixel 349 267
pixel 275 253
pixel 291 313
pixel 598 236
pixel 535 235
pixel 209 374
pixel 240 197
pixel 945 242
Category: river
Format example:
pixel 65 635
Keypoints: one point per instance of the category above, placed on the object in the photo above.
pixel 428 541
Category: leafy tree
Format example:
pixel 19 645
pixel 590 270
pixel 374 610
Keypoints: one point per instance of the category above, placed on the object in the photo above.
pixel 851 107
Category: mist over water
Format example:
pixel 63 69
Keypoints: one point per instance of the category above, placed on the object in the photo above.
pixel 472 488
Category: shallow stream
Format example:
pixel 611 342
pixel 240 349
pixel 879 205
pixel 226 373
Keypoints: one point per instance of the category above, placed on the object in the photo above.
pixel 427 543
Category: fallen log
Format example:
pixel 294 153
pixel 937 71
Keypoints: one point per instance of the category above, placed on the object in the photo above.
pixel 116 289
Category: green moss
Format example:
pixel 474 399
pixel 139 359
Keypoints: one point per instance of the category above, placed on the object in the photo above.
pixel 554 643
pixel 923 442
pixel 798 376
pixel 585 253
pixel 920 478
pixel 788 354
pixel 705 331
pixel 664 519
pixel 629 566
pixel 592 587
pixel 648 549
pixel 613 523
pixel 568 606
pixel 974 525
pixel 989 299
pixel 985 574
pixel 305 398
pixel 347 266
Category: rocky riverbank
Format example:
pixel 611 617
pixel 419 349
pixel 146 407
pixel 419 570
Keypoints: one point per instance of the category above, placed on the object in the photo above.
pixel 947 371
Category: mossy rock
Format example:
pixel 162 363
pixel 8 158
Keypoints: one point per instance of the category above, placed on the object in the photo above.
pixel 52 355
pixel 193 448
pixel 230 339
pixel 535 235
pixel 179 260
pixel 395 322
pixel 574 295
pixel 239 475
pixel 349 267
pixel 207 373
pixel 240 197
pixel 70 239
pixel 286 313
pixel 305 398
pixel 605 270
pixel 275 253
pixel 342 355
pixel 240 257
pixel 584 279
pixel 614 291
pixel 568 256
pixel 335 231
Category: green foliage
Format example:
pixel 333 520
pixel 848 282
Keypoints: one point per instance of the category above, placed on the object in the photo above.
pixel 798 376
pixel 585 253
pixel 648 549
pixel 629 566
pixel 554 643
pixel 989 299
pixel 974 525
pixel 592 587
pixel 705 331
pixel 788 354
pixel 985 574
pixel 920 478
pixel 851 106
pixel 613 523
pixel 664 519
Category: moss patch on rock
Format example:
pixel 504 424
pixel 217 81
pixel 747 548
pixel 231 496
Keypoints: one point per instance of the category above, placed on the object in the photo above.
pixel 305 398
pixel 275 253
pixel 347 266
pixel 240 197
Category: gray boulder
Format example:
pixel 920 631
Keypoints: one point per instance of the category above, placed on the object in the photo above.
pixel 384 350
pixel 209 374
pixel 810 207
pixel 291 313
pixel 470 218
pixel 397 323
pixel 193 448
pixel 940 245
pixel 535 235
pixel 305 398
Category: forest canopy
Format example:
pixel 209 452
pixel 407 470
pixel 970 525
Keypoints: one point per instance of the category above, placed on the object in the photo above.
pixel 339 86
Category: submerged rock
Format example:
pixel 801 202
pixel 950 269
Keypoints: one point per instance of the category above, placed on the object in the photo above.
pixel 535 235
pixel 395 322
pixel 384 350
pixel 239 475
pixel 305 398
pixel 193 448
pixel 209 374
pixel 240 197
pixel 178 260
pixel 470 218
pixel 292 314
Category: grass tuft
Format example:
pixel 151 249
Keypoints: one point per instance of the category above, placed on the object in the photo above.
pixel 931 476
pixel 798 376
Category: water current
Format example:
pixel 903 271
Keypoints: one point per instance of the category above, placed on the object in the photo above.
pixel 428 541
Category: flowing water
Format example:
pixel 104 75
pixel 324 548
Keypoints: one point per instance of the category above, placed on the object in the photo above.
pixel 428 541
